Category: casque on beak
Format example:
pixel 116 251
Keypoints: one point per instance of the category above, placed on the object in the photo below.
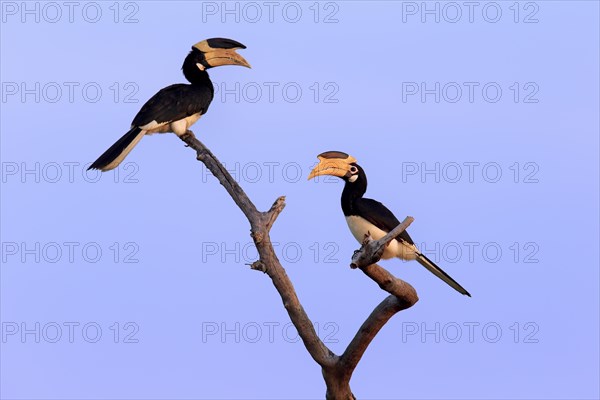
pixel 219 52
pixel 219 57
pixel 333 163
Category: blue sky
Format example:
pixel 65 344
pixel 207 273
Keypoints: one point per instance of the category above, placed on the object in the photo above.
pixel 480 120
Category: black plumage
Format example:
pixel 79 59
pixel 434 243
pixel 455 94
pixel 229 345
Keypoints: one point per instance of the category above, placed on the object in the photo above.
pixel 370 217
pixel 176 107
pixel 116 149
pixel 176 102
pixel 373 211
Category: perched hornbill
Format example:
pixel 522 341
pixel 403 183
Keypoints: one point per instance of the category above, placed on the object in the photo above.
pixel 366 216
pixel 176 107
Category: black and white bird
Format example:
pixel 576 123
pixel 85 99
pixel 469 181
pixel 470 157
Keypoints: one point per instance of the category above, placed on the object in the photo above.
pixel 369 217
pixel 176 107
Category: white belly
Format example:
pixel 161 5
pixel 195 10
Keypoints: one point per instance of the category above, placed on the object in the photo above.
pixel 360 227
pixel 178 127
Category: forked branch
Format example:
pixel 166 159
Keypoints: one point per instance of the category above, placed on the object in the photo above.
pixel 337 370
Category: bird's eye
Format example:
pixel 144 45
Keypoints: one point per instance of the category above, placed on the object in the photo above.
pixel 353 169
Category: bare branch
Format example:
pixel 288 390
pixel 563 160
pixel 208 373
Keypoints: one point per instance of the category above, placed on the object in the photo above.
pixel 214 165
pixel 274 212
pixel 402 295
pixel 369 329
pixel 371 250
pixel 337 370
pixel 268 263
pixel 388 282
pixel 306 330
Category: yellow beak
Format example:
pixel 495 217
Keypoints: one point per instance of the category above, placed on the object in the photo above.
pixel 332 166
pixel 217 57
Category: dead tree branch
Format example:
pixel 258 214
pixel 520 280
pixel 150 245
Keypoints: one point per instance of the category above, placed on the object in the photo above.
pixel 260 224
pixel 337 370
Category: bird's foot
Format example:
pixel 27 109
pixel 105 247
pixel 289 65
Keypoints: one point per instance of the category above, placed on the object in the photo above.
pixel 187 136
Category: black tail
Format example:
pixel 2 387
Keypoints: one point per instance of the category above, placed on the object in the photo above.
pixel 112 157
pixel 437 271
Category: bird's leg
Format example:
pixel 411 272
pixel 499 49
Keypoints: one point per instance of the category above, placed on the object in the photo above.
pixel 367 238
pixel 188 135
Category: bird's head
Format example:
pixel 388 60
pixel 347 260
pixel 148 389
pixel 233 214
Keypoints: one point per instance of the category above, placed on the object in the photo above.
pixel 216 52
pixel 337 163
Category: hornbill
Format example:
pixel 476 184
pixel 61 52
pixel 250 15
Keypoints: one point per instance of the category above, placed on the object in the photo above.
pixel 369 217
pixel 176 107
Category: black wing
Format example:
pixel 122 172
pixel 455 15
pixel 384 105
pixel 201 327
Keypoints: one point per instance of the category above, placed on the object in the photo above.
pixel 379 215
pixel 174 103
